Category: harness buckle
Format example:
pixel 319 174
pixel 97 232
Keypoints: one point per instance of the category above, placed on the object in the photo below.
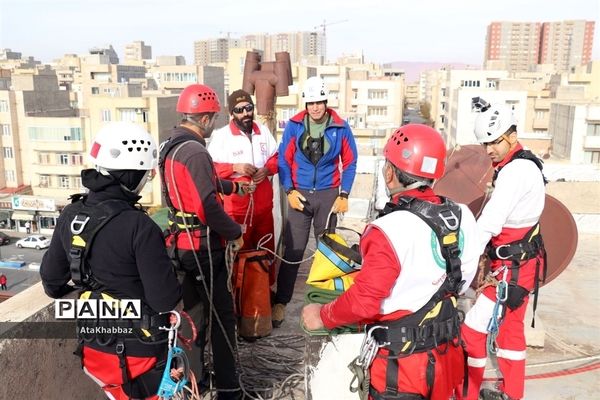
pixel 79 223
pixel 120 348
pixel 497 251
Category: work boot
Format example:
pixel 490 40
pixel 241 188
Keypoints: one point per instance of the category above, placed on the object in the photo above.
pixel 277 315
pixel 490 394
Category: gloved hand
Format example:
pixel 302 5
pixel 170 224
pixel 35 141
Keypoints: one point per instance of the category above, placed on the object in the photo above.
pixel 244 169
pixel 295 200
pixel 238 243
pixel 340 205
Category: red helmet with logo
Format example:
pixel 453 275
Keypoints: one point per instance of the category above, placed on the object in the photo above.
pixel 418 150
pixel 196 99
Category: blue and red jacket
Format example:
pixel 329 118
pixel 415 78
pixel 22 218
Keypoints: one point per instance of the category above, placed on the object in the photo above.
pixel 297 171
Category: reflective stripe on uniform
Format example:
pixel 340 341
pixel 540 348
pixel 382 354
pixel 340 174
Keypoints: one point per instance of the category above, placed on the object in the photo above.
pixel 514 355
pixel 476 362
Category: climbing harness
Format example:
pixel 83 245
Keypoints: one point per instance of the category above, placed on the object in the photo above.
pixel 86 222
pixel 169 386
pixel 498 313
pixel 436 323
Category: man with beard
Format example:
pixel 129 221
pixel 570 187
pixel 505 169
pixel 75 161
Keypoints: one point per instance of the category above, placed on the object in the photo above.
pixel 199 226
pixel 245 151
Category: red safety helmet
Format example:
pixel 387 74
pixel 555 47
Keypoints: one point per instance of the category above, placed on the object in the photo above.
pixel 196 99
pixel 418 150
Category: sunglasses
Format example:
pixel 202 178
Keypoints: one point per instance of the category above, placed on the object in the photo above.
pixel 247 108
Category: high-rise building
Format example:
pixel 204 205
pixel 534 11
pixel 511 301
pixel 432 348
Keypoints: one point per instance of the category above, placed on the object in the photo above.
pixel 304 47
pixel 566 43
pixel 512 46
pixel 518 46
pixel 212 51
pixel 138 51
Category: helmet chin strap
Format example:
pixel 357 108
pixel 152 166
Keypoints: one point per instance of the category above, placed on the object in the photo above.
pixel 192 121
pixel 139 186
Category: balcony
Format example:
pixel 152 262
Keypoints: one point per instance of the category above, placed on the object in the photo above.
pixel 591 142
pixel 61 146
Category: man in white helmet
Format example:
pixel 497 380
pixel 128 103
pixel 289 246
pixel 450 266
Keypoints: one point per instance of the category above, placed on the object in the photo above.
pixel 509 233
pixel 317 166
pixel 111 249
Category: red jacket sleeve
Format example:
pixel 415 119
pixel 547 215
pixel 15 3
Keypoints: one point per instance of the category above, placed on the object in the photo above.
pixel 271 164
pixel 224 170
pixel 362 302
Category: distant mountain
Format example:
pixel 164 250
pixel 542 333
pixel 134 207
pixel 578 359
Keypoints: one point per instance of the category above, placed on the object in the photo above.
pixel 413 69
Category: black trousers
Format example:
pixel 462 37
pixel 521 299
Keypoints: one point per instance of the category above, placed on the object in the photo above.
pixel 297 232
pixel 194 293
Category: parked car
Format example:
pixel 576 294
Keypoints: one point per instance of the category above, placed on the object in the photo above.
pixel 4 239
pixel 34 242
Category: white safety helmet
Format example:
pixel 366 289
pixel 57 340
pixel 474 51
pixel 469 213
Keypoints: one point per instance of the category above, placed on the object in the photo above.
pixel 123 145
pixel 314 90
pixel 494 122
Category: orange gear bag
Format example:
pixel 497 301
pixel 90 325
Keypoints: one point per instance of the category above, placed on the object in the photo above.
pixel 252 293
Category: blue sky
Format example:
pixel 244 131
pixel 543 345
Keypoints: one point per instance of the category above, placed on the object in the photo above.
pixel 384 30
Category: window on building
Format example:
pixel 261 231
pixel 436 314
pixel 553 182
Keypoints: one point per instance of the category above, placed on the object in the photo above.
pixel 95 90
pixel 379 111
pixel 593 129
pixel 77 183
pixel 10 175
pixel 64 182
pixel 44 181
pixel 355 93
pixel 63 159
pixel 44 158
pixel 128 114
pixel 591 157
pixel 8 152
pixel 76 159
pixel 3 106
pixel 5 130
pixel 381 94
pixel 105 115
pixel 540 114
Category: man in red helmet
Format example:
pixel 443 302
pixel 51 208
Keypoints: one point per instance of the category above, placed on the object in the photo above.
pixel 199 227
pixel 418 256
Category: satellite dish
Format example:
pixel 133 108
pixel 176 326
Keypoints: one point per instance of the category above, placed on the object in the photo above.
pixel 468 172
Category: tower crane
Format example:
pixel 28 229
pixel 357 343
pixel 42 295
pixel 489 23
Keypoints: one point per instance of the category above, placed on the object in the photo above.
pixel 325 24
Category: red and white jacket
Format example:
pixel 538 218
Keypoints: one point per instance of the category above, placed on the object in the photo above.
pixel 402 267
pixel 515 205
pixel 230 146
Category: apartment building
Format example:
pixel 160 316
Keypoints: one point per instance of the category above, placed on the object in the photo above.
pixel 519 46
pixel 303 47
pixel 137 51
pixel 212 51
pixel 566 43
pixel 575 131
pixel 513 46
